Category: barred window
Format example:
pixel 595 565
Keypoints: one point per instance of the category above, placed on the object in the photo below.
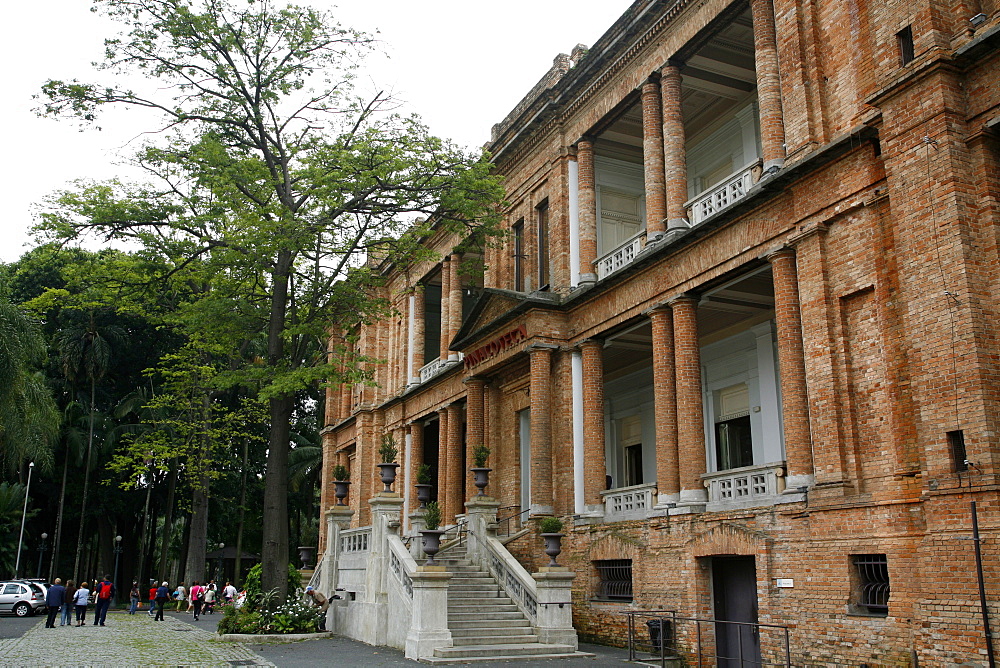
pixel 872 584
pixel 614 579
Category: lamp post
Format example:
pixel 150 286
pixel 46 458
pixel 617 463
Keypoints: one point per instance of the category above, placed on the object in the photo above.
pixel 218 564
pixel 41 551
pixel 118 551
pixel 24 516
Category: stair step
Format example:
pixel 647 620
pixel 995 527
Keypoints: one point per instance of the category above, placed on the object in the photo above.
pixel 499 633
pixel 487 624
pixel 469 616
pixel 501 649
pixel 469 641
pixel 439 661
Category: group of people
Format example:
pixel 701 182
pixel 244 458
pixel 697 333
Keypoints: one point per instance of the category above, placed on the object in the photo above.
pixel 199 598
pixel 69 599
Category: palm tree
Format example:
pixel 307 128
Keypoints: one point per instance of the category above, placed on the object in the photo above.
pixel 73 437
pixel 85 354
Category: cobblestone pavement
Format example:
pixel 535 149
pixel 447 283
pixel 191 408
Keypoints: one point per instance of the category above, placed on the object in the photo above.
pixel 126 640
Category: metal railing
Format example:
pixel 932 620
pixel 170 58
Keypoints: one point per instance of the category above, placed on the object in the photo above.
pixel 693 641
pixel 504 524
pixel 456 533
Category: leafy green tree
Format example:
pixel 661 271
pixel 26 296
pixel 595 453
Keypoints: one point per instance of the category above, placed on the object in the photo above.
pixel 277 187
pixel 11 507
pixel 29 418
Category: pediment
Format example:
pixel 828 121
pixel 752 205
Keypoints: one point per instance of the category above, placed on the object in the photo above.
pixel 728 538
pixel 492 309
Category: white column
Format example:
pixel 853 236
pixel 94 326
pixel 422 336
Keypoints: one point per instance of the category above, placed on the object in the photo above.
pixel 407 469
pixel 574 223
pixel 411 327
pixel 579 500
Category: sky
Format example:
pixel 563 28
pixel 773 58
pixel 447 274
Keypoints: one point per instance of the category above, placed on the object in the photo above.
pixel 461 64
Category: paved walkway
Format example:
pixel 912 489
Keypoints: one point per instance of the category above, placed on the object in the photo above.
pixel 137 640
pixel 126 640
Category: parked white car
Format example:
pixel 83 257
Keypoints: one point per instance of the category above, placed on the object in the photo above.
pixel 21 598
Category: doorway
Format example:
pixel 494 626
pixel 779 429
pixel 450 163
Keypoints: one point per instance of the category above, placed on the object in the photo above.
pixel 734 589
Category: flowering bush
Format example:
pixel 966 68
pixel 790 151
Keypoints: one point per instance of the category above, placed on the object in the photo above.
pixel 292 616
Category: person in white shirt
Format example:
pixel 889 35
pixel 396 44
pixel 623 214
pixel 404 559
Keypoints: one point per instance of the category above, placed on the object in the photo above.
pixel 81 599
pixel 229 592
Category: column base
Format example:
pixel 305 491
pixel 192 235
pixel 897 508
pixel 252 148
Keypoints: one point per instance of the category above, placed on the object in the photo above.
pixel 664 503
pixel 588 278
pixel 772 166
pixel 540 509
pixel 593 513
pixel 674 224
pixel 690 501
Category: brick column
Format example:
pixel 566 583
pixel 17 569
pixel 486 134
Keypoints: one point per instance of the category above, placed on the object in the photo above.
pixel 652 159
pixel 665 405
pixel 417 356
pixel 475 425
pixel 445 304
pixel 455 305
pixel 690 412
pixel 347 389
pixel 595 466
pixel 455 491
pixel 442 457
pixel 541 428
pixel 674 152
pixel 416 432
pixel 772 127
pixel 792 371
pixel 588 210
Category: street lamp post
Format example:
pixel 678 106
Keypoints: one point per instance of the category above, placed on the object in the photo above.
pixel 218 564
pixel 24 516
pixel 118 551
pixel 41 551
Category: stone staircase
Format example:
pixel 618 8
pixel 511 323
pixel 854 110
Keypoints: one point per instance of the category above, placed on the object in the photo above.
pixel 485 624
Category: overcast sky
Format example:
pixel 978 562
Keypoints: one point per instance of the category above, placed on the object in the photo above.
pixel 461 64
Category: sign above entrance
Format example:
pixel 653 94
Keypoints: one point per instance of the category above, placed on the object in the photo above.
pixel 496 346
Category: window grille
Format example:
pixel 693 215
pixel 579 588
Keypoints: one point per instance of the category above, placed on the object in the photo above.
pixel 873 583
pixel 615 579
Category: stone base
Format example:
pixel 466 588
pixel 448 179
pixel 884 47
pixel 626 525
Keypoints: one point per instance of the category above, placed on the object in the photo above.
pixel 271 637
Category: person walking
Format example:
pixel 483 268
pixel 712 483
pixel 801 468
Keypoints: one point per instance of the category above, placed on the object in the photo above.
pixel 228 593
pixel 197 598
pixel 134 598
pixel 162 595
pixel 180 595
pixel 80 601
pixel 105 591
pixel 68 605
pixel 53 601
pixel 152 598
pixel 210 600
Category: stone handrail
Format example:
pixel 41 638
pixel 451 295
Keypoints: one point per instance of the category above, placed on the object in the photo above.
pixel 721 195
pixel 401 565
pixel 620 257
pixel 355 540
pixel 509 574
pixel 627 503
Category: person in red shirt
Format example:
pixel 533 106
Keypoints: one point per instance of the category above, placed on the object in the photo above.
pixel 152 600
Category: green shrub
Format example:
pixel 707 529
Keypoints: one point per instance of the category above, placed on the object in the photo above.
pixel 341 473
pixel 424 475
pixel 550 525
pixel 432 516
pixel 292 616
pixel 252 584
pixel 388 451
pixel 480 455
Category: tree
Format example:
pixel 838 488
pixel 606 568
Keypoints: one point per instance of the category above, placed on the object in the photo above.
pixel 277 184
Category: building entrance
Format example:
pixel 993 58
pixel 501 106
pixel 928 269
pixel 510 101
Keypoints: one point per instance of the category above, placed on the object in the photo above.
pixel 734 584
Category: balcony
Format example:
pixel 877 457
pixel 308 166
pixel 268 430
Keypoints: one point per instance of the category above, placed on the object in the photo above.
pixel 628 503
pixel 621 256
pixel 439 365
pixel 723 194
pixel 745 487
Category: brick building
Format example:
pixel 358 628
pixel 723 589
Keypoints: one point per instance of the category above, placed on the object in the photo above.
pixel 742 336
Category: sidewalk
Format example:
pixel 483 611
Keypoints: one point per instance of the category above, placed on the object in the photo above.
pixel 134 640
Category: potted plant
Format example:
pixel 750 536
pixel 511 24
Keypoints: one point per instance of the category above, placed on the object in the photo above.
pixel 551 528
pixel 424 484
pixel 480 455
pixel 431 534
pixel 387 452
pixel 341 483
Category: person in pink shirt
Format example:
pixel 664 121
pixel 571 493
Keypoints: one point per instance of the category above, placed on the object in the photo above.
pixel 197 598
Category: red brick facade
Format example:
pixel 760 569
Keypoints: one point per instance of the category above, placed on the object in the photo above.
pixel 768 341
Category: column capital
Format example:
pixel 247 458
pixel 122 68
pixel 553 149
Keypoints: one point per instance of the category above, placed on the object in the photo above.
pixel 806 231
pixel 475 380
pixel 778 252
pixel 541 345
pixel 653 78
pixel 590 342
pixel 683 298
pixel 656 308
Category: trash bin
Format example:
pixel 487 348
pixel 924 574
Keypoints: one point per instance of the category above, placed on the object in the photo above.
pixel 659 632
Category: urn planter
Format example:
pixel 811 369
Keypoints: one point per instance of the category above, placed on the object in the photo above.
pixel 306 555
pixel 553 546
pixel 388 475
pixel 423 493
pixel 431 543
pixel 341 489
pixel 482 478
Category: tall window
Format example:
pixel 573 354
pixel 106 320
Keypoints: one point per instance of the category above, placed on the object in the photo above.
pixel 904 39
pixel 519 255
pixel 631 441
pixel 733 443
pixel 543 244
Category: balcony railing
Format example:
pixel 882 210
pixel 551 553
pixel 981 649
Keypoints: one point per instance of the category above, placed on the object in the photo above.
pixel 620 257
pixel 744 487
pixel 628 503
pixel 722 194
pixel 435 367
